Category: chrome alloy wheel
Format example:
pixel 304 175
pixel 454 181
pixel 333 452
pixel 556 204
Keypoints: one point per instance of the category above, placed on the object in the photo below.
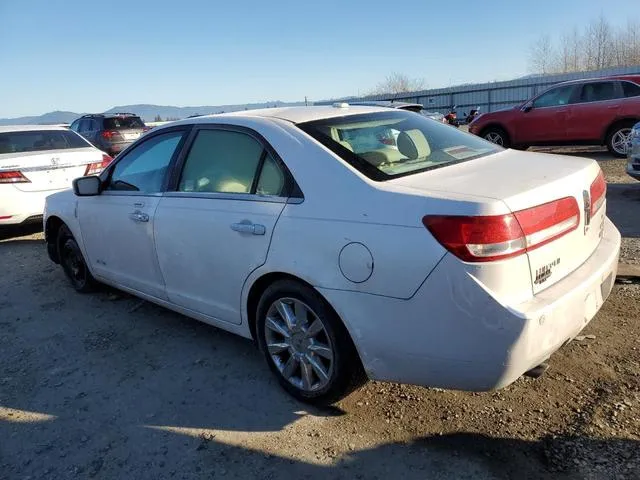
pixel 298 344
pixel 494 137
pixel 621 141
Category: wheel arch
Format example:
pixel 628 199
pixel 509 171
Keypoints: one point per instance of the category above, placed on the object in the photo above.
pixel 259 286
pixel 609 130
pixel 51 229
pixel 495 125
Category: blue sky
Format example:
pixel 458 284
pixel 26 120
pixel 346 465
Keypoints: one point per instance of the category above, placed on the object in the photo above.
pixel 92 55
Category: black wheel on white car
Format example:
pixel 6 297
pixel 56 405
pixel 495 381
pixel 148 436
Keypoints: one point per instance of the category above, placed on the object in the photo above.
pixel 498 136
pixel 306 345
pixel 619 139
pixel 73 262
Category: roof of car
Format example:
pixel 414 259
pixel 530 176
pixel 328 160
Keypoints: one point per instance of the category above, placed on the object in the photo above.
pixel 109 115
pixel 29 128
pixel 632 78
pixel 388 103
pixel 294 114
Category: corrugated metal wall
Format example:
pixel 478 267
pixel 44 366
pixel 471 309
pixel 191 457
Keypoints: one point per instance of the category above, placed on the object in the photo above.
pixel 488 96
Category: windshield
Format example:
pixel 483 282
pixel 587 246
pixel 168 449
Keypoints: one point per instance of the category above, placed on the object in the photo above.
pixel 385 145
pixel 118 123
pixel 39 140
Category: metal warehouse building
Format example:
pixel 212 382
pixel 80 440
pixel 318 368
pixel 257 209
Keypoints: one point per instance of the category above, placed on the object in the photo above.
pixel 488 96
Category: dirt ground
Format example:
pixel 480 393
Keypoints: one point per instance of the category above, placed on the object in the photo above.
pixel 105 386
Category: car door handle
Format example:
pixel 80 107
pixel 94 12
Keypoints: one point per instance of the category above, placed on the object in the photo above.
pixel 139 217
pixel 246 227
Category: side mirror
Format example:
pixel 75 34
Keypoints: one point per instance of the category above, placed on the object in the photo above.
pixel 527 108
pixel 87 186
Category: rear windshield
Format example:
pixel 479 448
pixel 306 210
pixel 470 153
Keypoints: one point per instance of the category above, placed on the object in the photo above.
pixel 121 123
pixel 385 145
pixel 39 140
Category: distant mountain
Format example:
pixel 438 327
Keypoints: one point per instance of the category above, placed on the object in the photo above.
pixel 46 119
pixel 147 112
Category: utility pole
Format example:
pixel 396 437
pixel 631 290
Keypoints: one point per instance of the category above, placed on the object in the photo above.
pixel 306 104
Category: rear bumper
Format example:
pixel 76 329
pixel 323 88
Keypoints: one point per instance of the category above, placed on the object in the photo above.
pixel 18 207
pixel 454 334
pixel 115 148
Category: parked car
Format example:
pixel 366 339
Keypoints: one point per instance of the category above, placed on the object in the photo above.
pixel 598 111
pixel 446 262
pixel 411 107
pixel 110 132
pixel 633 168
pixel 37 160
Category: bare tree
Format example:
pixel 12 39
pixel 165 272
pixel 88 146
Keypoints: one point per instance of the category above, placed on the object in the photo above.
pixel 600 41
pixel 399 83
pixel 600 46
pixel 541 55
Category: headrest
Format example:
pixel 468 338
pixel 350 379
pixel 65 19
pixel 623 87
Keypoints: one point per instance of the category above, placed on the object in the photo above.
pixel 413 144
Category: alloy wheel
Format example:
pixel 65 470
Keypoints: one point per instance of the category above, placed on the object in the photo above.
pixel 494 137
pixel 621 141
pixel 298 344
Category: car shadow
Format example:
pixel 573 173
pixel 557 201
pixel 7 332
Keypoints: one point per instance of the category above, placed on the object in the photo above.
pixel 22 230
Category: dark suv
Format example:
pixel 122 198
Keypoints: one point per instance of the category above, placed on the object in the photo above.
pixel 110 132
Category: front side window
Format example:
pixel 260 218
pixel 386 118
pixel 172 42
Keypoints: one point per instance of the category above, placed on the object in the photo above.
pixel 40 140
pixel 144 168
pixel 555 98
pixel 223 161
pixel 384 145
pixel 599 92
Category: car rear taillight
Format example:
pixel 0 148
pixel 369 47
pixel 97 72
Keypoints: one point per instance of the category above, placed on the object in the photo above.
pixel 13 177
pixel 598 190
pixel 111 135
pixel 96 168
pixel 496 237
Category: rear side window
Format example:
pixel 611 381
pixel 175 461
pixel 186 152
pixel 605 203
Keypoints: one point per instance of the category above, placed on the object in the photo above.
pixel 599 92
pixel 122 123
pixel 222 161
pixel 630 89
pixel 40 140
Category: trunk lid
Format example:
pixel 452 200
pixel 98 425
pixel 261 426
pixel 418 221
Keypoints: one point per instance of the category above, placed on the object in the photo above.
pixel 49 169
pixel 523 180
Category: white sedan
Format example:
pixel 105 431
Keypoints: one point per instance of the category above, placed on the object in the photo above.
pixel 36 161
pixel 442 260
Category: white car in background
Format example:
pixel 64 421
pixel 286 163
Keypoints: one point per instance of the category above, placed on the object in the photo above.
pixel 36 161
pixel 444 261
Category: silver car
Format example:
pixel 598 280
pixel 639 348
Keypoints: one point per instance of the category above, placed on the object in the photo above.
pixel 633 168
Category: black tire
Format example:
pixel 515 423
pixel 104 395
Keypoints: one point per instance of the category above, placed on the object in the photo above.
pixel 520 147
pixel 73 262
pixel 623 128
pixel 346 373
pixel 498 136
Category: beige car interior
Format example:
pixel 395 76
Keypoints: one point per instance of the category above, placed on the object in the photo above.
pixel 226 162
pixel 410 144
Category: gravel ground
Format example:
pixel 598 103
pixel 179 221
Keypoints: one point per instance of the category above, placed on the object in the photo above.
pixel 105 386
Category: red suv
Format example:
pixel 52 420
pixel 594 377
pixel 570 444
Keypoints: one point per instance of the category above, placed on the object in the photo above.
pixel 599 111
